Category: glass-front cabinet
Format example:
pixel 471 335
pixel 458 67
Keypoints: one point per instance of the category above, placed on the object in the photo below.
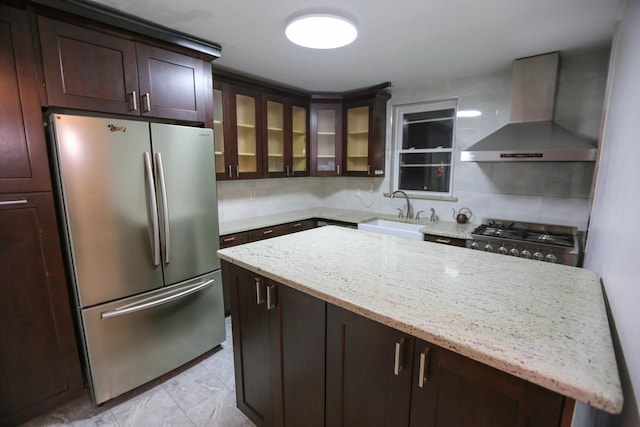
pixel 218 131
pixel 285 136
pixel 326 139
pixel 357 139
pixel 300 139
pixel 275 137
pixel 247 132
pixel 237 131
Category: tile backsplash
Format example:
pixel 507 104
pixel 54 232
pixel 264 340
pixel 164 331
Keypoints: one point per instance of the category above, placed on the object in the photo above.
pixel 555 193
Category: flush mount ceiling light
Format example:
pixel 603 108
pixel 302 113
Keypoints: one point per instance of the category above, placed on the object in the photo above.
pixel 321 31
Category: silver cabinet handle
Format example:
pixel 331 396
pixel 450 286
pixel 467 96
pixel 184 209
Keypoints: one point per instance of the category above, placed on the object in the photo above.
pixel 228 239
pixel 230 176
pixel 299 224
pixel 267 232
pixel 368 170
pixel 286 168
pixel 271 301
pixel 259 298
pixel 165 209
pixel 293 171
pixel 443 241
pixel 399 353
pixel 422 373
pixel 338 173
pixel 154 234
pixel 150 304
pixel 237 171
pixel 134 101
pixel 13 202
pixel 147 100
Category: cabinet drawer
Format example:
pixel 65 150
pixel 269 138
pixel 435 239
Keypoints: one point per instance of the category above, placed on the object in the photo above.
pixel 267 232
pixel 306 224
pixel 234 239
pixel 445 240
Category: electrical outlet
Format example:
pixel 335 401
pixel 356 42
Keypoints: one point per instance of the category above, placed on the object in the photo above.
pixel 252 195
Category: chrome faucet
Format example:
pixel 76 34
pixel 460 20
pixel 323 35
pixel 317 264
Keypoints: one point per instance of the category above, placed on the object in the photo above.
pixel 433 217
pixel 393 195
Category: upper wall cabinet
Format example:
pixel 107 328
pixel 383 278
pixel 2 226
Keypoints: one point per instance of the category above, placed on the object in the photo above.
pixel 91 70
pixel 364 135
pixel 23 151
pixel 259 132
pixel 348 133
pixel 237 120
pixel 285 136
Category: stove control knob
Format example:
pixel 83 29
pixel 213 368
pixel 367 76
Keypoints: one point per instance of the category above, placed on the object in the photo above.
pixel 538 256
pixel 551 258
pixel 525 254
pixel 475 245
pixel 514 252
pixel 503 250
pixel 488 248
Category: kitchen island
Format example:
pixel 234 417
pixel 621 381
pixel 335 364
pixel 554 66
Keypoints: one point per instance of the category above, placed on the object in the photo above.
pixel 542 323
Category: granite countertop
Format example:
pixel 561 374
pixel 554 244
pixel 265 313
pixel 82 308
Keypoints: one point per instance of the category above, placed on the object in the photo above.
pixel 438 228
pixel 545 323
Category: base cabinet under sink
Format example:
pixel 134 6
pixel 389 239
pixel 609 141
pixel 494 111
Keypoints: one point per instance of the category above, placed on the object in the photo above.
pixel 289 345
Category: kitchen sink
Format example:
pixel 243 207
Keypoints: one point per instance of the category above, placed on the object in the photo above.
pixel 394 228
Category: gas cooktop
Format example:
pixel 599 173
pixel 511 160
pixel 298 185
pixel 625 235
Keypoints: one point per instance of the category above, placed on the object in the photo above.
pixel 543 242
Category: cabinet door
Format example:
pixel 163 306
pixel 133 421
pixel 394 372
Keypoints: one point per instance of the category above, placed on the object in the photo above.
pixel 365 135
pixel 276 116
pixel 326 139
pixel 221 130
pixel 300 138
pixel 251 343
pixel 171 84
pixel 23 151
pixel 357 150
pixel 368 372
pixel 87 69
pixel 39 363
pixel 452 390
pixel 246 135
pixel 298 337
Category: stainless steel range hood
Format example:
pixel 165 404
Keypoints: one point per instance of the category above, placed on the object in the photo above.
pixel 532 135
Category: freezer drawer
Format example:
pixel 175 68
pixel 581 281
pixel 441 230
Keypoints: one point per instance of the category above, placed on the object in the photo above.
pixel 132 341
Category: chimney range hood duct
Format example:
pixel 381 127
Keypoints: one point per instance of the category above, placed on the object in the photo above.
pixel 532 135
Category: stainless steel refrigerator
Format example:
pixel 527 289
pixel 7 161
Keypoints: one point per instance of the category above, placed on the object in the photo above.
pixel 140 211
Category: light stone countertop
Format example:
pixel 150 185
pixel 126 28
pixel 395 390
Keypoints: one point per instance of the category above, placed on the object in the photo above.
pixel 439 228
pixel 545 323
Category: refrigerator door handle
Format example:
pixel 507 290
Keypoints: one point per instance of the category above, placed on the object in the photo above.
pixel 165 208
pixel 146 304
pixel 154 235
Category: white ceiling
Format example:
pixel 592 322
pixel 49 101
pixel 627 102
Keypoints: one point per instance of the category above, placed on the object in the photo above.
pixel 407 42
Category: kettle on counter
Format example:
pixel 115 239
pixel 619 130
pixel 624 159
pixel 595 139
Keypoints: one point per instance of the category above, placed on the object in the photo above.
pixel 460 217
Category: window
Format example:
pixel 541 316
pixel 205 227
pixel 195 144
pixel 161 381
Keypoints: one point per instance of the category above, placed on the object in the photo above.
pixel 424 147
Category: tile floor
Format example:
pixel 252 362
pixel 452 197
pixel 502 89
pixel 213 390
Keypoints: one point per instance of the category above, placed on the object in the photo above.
pixel 201 394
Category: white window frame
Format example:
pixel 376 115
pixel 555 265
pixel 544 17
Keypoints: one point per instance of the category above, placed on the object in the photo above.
pixel 398 113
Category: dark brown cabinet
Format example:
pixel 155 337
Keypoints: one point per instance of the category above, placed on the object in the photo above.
pixel 453 241
pixel 364 135
pixel 374 375
pixel 326 137
pixel 237 124
pixel 23 152
pixel 91 70
pixel 452 390
pixel 368 372
pixel 39 363
pixel 420 384
pixel 348 133
pixel 285 136
pixel 278 338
